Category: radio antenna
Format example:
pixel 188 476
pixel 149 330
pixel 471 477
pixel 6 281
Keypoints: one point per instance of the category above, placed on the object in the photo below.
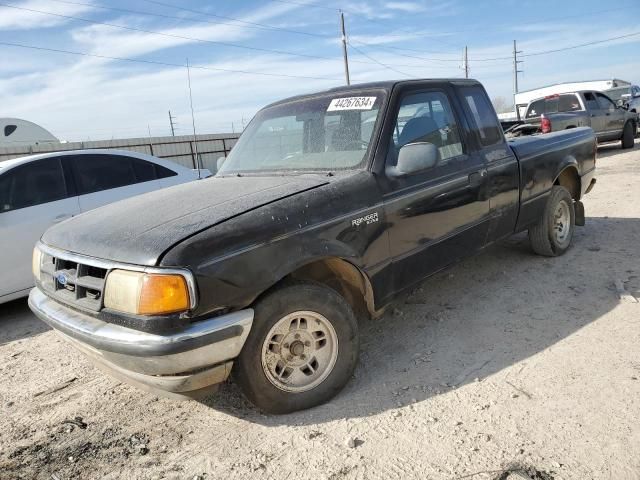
pixel 193 122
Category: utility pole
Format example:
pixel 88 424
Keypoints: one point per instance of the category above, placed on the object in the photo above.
pixel 172 123
pixel 466 63
pixel 515 76
pixel 344 49
pixel 515 70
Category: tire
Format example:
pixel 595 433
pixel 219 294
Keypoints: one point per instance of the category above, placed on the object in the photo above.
pixel 551 236
pixel 628 135
pixel 281 373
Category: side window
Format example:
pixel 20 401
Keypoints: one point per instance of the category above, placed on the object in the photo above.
pixel 94 173
pixel 426 117
pixel 9 129
pixel 551 104
pixel 162 172
pixel 569 103
pixel 489 129
pixel 592 103
pixel 145 171
pixel 605 102
pixel 535 109
pixel 32 184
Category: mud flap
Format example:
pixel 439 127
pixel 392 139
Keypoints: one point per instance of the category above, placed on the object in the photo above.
pixel 579 209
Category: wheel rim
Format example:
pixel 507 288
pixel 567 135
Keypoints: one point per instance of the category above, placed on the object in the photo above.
pixel 300 351
pixel 562 223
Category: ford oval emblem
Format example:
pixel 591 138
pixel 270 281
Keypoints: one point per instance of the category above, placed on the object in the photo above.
pixel 62 279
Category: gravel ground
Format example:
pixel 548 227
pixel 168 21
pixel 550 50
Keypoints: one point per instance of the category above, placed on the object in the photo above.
pixel 505 361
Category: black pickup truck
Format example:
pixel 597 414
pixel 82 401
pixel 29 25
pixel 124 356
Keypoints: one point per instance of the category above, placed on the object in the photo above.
pixel 329 206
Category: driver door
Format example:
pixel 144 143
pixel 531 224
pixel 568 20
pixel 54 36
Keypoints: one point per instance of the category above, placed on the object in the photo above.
pixel 440 214
pixel 614 117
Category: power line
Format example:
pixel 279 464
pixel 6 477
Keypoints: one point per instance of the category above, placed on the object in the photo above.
pixel 351 13
pixel 310 4
pixel 562 49
pixel 170 35
pixel 580 45
pixel 165 64
pixel 544 52
pixel 198 20
pixel 488 28
pixel 534 54
pixel 379 63
pixel 244 22
pixel 409 56
pixel 402 49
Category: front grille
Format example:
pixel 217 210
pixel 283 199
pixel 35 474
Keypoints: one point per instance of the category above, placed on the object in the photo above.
pixel 73 283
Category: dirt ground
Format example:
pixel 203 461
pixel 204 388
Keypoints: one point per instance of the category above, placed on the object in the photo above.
pixel 507 360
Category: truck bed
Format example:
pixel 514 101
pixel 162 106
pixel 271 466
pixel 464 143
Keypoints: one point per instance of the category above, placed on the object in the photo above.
pixel 539 166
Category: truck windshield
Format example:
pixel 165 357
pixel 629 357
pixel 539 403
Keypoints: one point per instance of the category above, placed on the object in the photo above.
pixel 326 133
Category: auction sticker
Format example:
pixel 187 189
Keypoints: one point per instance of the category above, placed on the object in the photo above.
pixel 351 103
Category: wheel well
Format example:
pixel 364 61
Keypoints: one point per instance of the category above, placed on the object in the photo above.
pixel 570 180
pixel 343 277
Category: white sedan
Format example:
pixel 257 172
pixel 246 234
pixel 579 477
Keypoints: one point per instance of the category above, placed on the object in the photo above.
pixel 40 190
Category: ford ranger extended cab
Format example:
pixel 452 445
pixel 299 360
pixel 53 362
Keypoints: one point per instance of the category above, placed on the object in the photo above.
pixel 328 207
pixel 553 113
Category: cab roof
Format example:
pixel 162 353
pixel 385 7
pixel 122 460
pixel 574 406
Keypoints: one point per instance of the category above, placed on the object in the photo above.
pixel 387 85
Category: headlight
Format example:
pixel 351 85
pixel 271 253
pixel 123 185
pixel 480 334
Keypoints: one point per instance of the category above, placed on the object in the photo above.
pixel 142 293
pixel 36 263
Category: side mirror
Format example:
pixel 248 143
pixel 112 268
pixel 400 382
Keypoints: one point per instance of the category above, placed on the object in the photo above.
pixel 414 158
pixel 220 162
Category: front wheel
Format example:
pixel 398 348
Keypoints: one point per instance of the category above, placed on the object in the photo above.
pixel 628 135
pixel 302 349
pixel 552 235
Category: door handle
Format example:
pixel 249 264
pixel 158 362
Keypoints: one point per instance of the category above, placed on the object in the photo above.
pixel 61 217
pixel 476 178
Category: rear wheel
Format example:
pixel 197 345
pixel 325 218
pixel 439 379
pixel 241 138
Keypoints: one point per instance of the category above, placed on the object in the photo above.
pixel 552 235
pixel 302 349
pixel 628 135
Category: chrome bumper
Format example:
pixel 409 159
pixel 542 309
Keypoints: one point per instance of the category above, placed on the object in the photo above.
pixel 179 363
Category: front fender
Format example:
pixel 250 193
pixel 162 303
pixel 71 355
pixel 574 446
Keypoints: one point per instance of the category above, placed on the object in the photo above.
pixel 235 281
pixel 236 261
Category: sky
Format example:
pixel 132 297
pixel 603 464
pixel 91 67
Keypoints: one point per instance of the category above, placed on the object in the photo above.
pixel 246 54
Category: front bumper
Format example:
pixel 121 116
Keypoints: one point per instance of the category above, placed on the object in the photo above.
pixel 181 363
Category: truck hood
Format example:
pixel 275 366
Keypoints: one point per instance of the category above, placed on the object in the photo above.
pixel 141 229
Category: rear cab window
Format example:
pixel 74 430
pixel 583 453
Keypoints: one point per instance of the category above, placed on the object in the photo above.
pixel 569 103
pixel 554 104
pixel 484 117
